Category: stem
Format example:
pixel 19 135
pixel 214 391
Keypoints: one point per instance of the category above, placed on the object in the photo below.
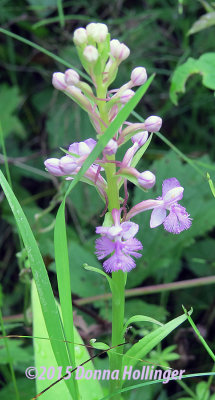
pixel 118 290
pixel 118 303
pixel 118 277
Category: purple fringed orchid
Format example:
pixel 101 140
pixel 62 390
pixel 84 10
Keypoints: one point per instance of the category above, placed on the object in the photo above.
pixel 177 220
pixel 118 240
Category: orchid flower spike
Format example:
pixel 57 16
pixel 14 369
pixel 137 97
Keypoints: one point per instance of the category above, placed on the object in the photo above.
pixel 119 241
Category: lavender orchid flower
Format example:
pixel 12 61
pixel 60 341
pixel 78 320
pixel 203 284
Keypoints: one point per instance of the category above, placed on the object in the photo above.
pixel 119 240
pixel 177 220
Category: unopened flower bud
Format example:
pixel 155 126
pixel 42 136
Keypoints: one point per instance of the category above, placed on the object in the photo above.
pixel 58 81
pixel 111 147
pixel 91 54
pixel 146 179
pixel 140 138
pixel 67 165
pixel 153 123
pixel 53 166
pixel 138 76
pixel 126 96
pixel 71 77
pixel 119 50
pixel 80 36
pixel 97 32
pixel 91 29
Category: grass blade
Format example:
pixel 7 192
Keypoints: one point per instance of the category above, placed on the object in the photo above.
pixel 64 285
pixel 60 13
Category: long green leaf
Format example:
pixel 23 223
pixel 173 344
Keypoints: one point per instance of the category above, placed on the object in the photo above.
pixel 48 305
pixel 64 288
pixel 145 345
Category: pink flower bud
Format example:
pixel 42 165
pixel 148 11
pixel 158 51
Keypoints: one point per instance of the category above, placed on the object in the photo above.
pixel 140 138
pixel 146 179
pixel 119 50
pixel 71 77
pixel 138 76
pixel 91 54
pixel 58 81
pixel 97 32
pixel 53 166
pixel 67 165
pixel 126 96
pixel 80 36
pixel 153 123
pixel 111 147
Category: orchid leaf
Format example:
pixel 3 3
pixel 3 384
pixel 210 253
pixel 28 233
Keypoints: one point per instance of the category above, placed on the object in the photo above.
pixel 145 345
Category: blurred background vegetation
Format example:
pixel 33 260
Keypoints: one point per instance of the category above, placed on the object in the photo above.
pixel 36 120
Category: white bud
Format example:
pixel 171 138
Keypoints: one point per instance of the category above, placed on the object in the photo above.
pixel 80 36
pixel 91 54
pixel 138 76
pixel 67 165
pixel 140 138
pixel 58 81
pixel 126 96
pixel 153 123
pixel 71 77
pixel 119 50
pixel 97 32
pixel 146 179
pixel 111 147
pixel 91 29
pixel 102 32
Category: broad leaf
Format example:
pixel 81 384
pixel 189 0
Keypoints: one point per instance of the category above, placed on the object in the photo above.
pixel 205 66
